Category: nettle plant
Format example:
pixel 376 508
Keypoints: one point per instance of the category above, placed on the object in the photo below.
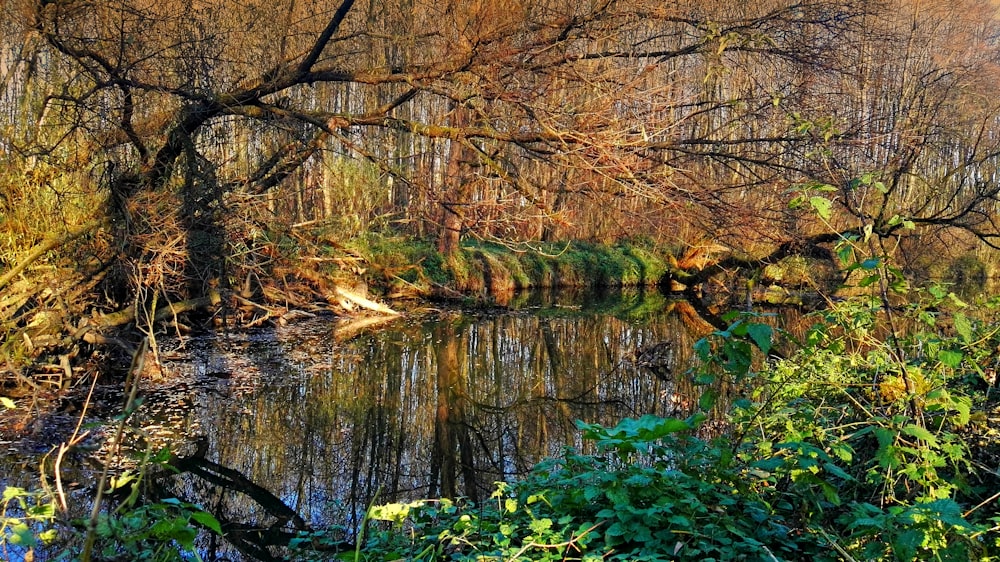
pixel 818 454
pixel 854 444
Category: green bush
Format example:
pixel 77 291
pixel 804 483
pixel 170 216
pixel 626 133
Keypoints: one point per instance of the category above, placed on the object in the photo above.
pixel 850 447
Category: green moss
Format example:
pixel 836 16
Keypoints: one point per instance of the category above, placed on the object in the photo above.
pixel 482 268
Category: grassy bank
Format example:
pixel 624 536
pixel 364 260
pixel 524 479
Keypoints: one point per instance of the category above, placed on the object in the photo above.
pixel 410 267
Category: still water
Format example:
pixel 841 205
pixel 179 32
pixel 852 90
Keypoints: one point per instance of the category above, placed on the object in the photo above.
pixel 305 425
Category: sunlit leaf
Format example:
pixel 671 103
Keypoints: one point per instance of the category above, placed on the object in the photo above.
pixel 22 535
pixel 963 327
pixel 950 358
pixel 7 403
pixel 870 280
pixel 11 492
pixel 822 206
pixel 920 433
pixel 208 520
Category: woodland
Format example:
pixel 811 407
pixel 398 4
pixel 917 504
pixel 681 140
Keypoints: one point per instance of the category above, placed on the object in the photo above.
pixel 173 163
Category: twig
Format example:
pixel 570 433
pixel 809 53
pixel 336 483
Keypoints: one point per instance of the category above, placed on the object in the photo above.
pixel 132 382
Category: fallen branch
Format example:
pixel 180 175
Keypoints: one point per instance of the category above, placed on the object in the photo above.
pixel 356 299
pixel 48 244
pixel 170 310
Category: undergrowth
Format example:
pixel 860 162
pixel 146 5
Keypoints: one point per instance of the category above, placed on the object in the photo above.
pixel 821 458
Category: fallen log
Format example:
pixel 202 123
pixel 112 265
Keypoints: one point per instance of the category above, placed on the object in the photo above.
pixel 44 246
pixel 169 310
pixel 349 299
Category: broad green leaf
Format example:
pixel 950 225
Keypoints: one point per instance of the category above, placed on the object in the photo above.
pixel 822 206
pixel 761 335
pixel 708 399
pixel 703 348
pixel 920 433
pixel 950 358
pixel 870 280
pixel 963 327
pixel 208 520
pixel 844 253
pixel 870 264
pixel 837 471
pixel 905 544
pixel 22 535
pixel 11 492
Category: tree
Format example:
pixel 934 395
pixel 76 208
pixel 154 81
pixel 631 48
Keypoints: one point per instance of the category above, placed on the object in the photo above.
pixel 203 124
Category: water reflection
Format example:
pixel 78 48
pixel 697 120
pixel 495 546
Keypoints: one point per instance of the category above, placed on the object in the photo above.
pixel 445 404
pixel 324 417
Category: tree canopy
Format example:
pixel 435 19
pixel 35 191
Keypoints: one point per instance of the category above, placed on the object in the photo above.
pixel 190 127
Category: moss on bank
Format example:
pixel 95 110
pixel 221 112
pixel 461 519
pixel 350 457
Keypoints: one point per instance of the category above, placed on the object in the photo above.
pixel 405 266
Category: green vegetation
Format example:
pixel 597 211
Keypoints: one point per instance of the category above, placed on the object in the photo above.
pixel 857 443
pixel 821 457
pixel 412 266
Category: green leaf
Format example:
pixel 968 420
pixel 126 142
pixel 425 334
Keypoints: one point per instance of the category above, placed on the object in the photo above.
pixel 7 403
pixel 208 520
pixel 22 535
pixel 11 492
pixel 905 544
pixel 708 399
pixel 837 471
pixel 870 280
pixel 822 206
pixel 963 327
pixel 920 433
pixel 762 335
pixel 844 252
pixel 950 358
pixel 704 349
pixel 870 264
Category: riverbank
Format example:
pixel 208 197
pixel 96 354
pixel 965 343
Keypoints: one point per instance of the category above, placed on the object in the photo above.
pixel 402 267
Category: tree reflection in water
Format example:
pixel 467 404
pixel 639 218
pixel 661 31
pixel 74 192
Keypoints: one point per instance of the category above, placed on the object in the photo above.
pixel 441 405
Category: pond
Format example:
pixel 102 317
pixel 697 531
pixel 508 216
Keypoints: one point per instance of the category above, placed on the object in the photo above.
pixel 305 425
